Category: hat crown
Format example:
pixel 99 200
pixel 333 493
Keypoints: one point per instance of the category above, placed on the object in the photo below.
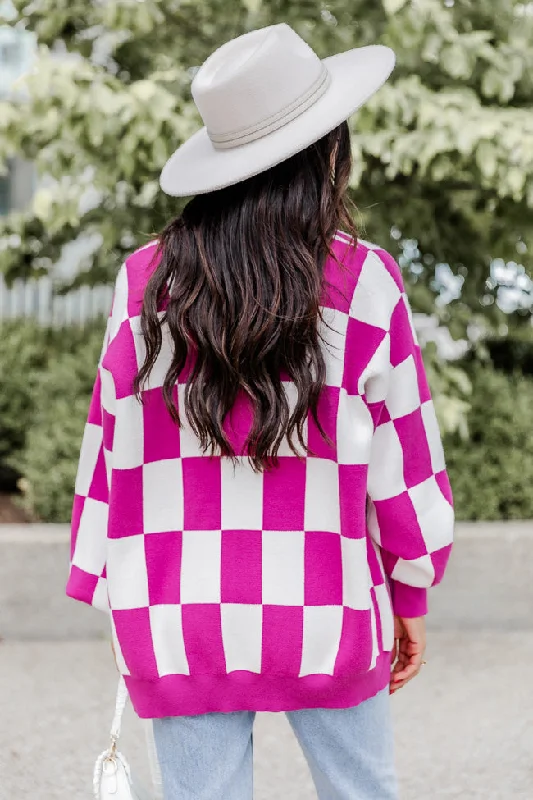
pixel 255 83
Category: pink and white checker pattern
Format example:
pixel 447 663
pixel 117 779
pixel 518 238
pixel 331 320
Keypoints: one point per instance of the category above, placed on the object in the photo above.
pixel 230 589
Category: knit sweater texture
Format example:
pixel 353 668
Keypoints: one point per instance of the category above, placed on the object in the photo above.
pixel 229 589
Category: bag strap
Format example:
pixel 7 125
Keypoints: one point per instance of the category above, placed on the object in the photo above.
pixel 155 769
pixel 120 704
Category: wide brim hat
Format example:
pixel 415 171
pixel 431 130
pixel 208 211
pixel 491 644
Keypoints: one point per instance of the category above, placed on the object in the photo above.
pixel 264 97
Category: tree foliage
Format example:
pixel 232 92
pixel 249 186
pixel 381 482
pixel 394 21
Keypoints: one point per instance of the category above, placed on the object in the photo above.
pixel 443 153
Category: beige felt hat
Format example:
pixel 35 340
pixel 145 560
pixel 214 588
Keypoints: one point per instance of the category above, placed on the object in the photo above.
pixel 264 97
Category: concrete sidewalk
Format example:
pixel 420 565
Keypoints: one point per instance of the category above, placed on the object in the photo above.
pixel 464 729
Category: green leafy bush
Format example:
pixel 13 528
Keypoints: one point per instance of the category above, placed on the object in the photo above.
pixel 451 388
pixel 53 433
pixel 492 472
pixel 23 357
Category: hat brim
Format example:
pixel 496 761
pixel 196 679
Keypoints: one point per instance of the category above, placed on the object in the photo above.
pixel 197 167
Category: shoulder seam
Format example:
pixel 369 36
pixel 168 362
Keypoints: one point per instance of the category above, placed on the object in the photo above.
pixel 153 243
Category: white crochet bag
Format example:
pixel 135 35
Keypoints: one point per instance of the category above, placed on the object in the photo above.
pixel 112 777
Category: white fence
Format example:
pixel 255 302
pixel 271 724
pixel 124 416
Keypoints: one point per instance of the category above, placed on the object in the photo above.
pixel 37 300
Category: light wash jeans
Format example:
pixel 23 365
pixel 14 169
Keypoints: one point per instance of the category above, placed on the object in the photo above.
pixel 349 752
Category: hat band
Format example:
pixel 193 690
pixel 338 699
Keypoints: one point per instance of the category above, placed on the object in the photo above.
pixel 226 141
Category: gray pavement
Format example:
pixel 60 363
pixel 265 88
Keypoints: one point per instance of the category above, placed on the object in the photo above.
pixel 464 728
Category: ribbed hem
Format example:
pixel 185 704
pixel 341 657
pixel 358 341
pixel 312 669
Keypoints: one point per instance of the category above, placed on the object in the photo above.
pixel 184 695
pixel 408 601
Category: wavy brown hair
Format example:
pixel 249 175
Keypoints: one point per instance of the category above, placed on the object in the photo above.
pixel 245 269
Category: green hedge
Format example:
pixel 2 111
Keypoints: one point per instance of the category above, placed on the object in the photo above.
pixel 492 472
pixel 53 395
pixel 47 378
pixel 23 358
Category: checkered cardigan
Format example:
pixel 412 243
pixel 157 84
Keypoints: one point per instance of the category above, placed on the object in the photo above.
pixel 229 589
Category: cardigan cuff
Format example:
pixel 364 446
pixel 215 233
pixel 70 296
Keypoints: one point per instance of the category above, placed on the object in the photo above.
pixel 408 601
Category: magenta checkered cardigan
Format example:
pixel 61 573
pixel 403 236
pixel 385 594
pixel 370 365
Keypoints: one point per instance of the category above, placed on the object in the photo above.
pixel 232 590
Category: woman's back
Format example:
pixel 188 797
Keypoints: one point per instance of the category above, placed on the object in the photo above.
pixel 227 578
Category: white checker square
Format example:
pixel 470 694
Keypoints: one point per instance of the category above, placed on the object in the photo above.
pixel 341 236
pixel 90 449
pixel 322 507
pixel 200 566
pixel 433 436
pixel 119 312
pixel 189 442
pixel 108 458
pixel 119 658
pixel 163 362
pixel 377 549
pixel 411 318
pixel 403 396
pixel 90 550
pixel 332 329
pixel 128 441
pixel 434 514
pixel 374 379
pixel 355 574
pixel 163 496
pixel 164 358
pixel 368 245
pixel 386 616
pixel 292 397
pixel 374 632
pixel 100 599
pixel 321 638
pixel 385 471
pixel 242 634
pixel 376 294
pixel 372 522
pixel 283 568
pixel 167 640
pixel 107 393
pixel 417 572
pixel 242 496
pixel 138 339
pixel 355 429
pixel 126 573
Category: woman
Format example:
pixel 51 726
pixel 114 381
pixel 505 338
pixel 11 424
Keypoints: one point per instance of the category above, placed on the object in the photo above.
pixel 262 500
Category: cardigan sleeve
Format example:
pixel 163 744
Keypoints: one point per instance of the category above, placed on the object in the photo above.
pixel 410 507
pixel 88 545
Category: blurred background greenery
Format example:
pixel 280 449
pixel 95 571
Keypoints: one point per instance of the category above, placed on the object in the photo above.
pixel 443 178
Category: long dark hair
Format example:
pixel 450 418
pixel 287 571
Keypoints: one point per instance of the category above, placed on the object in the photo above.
pixel 244 266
